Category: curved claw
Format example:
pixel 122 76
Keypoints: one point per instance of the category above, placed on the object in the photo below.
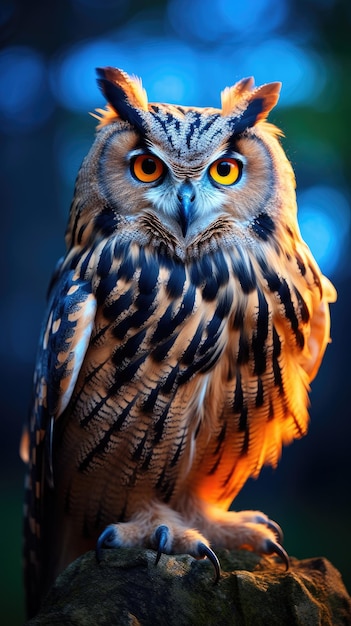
pixel 203 551
pixel 162 536
pixel 276 529
pixel 105 541
pixel 276 548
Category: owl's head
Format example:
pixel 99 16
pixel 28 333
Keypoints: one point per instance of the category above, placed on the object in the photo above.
pixel 180 177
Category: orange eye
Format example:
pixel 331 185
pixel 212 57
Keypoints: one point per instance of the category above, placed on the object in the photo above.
pixel 225 171
pixel 147 168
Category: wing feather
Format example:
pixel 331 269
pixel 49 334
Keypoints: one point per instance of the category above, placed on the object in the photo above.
pixel 64 341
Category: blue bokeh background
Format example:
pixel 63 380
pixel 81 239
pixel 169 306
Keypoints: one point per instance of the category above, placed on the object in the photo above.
pixel 186 52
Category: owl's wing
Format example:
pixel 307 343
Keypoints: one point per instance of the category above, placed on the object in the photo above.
pixel 63 343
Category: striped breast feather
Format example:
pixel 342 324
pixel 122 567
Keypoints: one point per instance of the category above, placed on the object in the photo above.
pixel 277 334
pixel 288 340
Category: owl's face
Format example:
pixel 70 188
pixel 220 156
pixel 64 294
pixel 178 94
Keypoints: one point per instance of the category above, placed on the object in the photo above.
pixel 177 174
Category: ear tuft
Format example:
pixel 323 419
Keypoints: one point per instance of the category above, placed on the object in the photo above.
pixel 125 96
pixel 232 96
pixel 247 105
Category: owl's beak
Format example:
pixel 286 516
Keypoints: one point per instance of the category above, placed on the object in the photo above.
pixel 186 197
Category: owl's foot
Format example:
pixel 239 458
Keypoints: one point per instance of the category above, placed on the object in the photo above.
pixel 162 535
pixel 164 539
pixel 168 534
pixel 251 530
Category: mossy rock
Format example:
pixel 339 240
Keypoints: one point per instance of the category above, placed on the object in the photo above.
pixel 126 588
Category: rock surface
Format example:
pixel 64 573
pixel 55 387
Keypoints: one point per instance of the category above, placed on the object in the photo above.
pixel 126 588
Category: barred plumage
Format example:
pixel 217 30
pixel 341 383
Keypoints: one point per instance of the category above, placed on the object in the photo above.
pixel 184 326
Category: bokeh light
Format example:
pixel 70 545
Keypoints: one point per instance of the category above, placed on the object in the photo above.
pixel 25 102
pixel 324 218
pixel 211 22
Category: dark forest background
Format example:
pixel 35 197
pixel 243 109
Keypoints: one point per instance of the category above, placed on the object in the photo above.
pixel 185 52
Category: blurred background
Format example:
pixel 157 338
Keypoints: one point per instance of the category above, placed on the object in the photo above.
pixel 186 52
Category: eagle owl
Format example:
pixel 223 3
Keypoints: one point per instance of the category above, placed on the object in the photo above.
pixel 184 325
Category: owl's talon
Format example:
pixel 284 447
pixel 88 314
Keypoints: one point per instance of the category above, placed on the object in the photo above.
pixel 107 539
pixel 276 529
pixel 205 551
pixel 162 536
pixel 276 548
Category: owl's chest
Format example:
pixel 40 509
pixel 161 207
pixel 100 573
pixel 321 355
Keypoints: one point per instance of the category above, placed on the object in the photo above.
pixel 159 313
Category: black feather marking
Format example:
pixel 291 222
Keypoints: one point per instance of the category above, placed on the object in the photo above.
pixel 129 349
pixel 211 120
pixel 160 425
pixel 221 438
pixel 105 262
pixel 106 221
pixel 120 304
pixel 195 124
pixel 147 460
pixel 117 98
pixel 176 281
pixel 212 330
pixel 224 303
pixel 221 268
pixel 277 373
pixel 304 312
pixel 189 353
pixel 85 263
pixel 135 320
pixel 263 226
pixel 127 373
pixel 259 394
pixel 244 350
pixel 272 278
pixel 316 279
pixel 300 264
pixel 149 403
pixel 196 275
pixel 239 316
pixel 249 116
pixel 169 383
pixel 210 289
pixel 215 466
pixel 81 233
pixel 246 442
pixel 245 274
pixel 145 302
pixel 105 286
pixel 238 403
pixel 148 275
pixel 127 268
pixel 168 323
pixel 159 353
pixel 260 337
pixel 136 456
pixel 285 298
pixel 166 487
pixel 243 419
pixel 177 454
pixel 202 365
pixel 103 443
pixel 165 126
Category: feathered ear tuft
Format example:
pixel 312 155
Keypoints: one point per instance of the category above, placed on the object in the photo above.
pixel 248 106
pixel 231 97
pixel 125 96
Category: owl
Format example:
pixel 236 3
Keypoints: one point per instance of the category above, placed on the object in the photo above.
pixel 184 326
